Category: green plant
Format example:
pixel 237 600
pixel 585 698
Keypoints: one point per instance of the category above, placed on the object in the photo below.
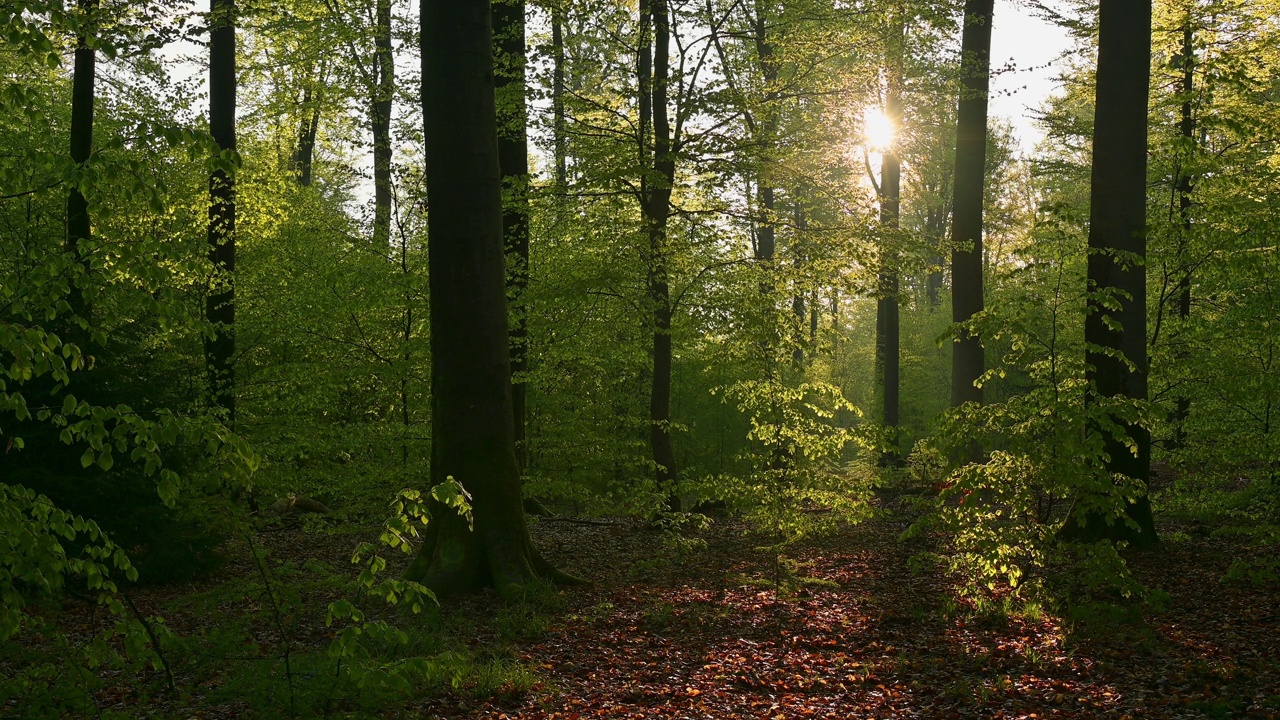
pixel 796 485
pixel 360 642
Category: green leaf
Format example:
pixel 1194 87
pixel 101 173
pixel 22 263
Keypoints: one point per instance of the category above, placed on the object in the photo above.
pixel 87 458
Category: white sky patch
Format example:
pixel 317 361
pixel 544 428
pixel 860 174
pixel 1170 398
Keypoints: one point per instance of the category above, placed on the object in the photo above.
pixel 1027 48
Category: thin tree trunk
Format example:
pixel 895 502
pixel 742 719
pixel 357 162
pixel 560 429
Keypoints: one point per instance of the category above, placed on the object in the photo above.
pixel 559 139
pixel 655 187
pixel 967 360
pixel 513 158
pixel 1116 322
pixel 220 309
pixel 766 229
pixel 472 435
pixel 1187 129
pixel 380 122
pixel 887 325
pixel 936 227
pixel 308 128
pixel 82 102
pixel 798 304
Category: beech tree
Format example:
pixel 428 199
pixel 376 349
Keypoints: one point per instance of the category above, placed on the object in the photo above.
pixel 967 361
pixel 1116 316
pixel 658 168
pixel 888 335
pixel 473 440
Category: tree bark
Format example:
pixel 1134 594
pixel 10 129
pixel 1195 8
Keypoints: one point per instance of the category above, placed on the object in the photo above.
pixel 220 309
pixel 887 325
pixel 82 102
pixel 308 128
pixel 472 436
pixel 513 158
pixel 1187 130
pixel 559 139
pixel 967 360
pixel 658 175
pixel 1116 337
pixel 380 123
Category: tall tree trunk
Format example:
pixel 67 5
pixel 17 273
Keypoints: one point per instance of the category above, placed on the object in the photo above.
pixel 765 248
pixel 887 325
pixel 967 360
pixel 559 139
pixel 658 170
pixel 471 430
pixel 1187 130
pixel 380 121
pixel 513 158
pixel 82 102
pixel 1116 321
pixel 220 309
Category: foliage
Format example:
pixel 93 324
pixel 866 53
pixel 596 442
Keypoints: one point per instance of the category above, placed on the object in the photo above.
pixel 361 644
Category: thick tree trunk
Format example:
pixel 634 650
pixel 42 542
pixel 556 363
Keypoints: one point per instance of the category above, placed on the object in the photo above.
pixel 82 102
pixel 513 158
pixel 1116 322
pixel 220 309
pixel 887 325
pixel 380 122
pixel 967 360
pixel 655 189
pixel 472 436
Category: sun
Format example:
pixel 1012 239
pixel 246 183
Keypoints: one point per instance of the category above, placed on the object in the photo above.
pixel 877 129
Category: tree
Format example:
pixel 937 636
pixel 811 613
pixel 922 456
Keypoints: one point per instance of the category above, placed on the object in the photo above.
pixel 220 308
pixel 1116 317
pixel 1184 184
pixel 888 361
pixel 513 160
pixel 82 101
pixel 473 440
pixel 382 90
pixel 967 361
pixel 658 168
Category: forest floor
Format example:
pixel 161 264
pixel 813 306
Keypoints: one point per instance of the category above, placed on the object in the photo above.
pixel 854 633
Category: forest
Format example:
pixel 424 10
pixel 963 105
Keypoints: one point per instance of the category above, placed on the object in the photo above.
pixel 638 359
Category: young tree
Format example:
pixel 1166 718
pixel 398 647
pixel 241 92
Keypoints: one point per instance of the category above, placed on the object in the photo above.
pixel 967 361
pixel 220 309
pixel 1116 318
pixel 472 435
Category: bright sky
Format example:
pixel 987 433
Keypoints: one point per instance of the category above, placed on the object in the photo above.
pixel 1031 46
